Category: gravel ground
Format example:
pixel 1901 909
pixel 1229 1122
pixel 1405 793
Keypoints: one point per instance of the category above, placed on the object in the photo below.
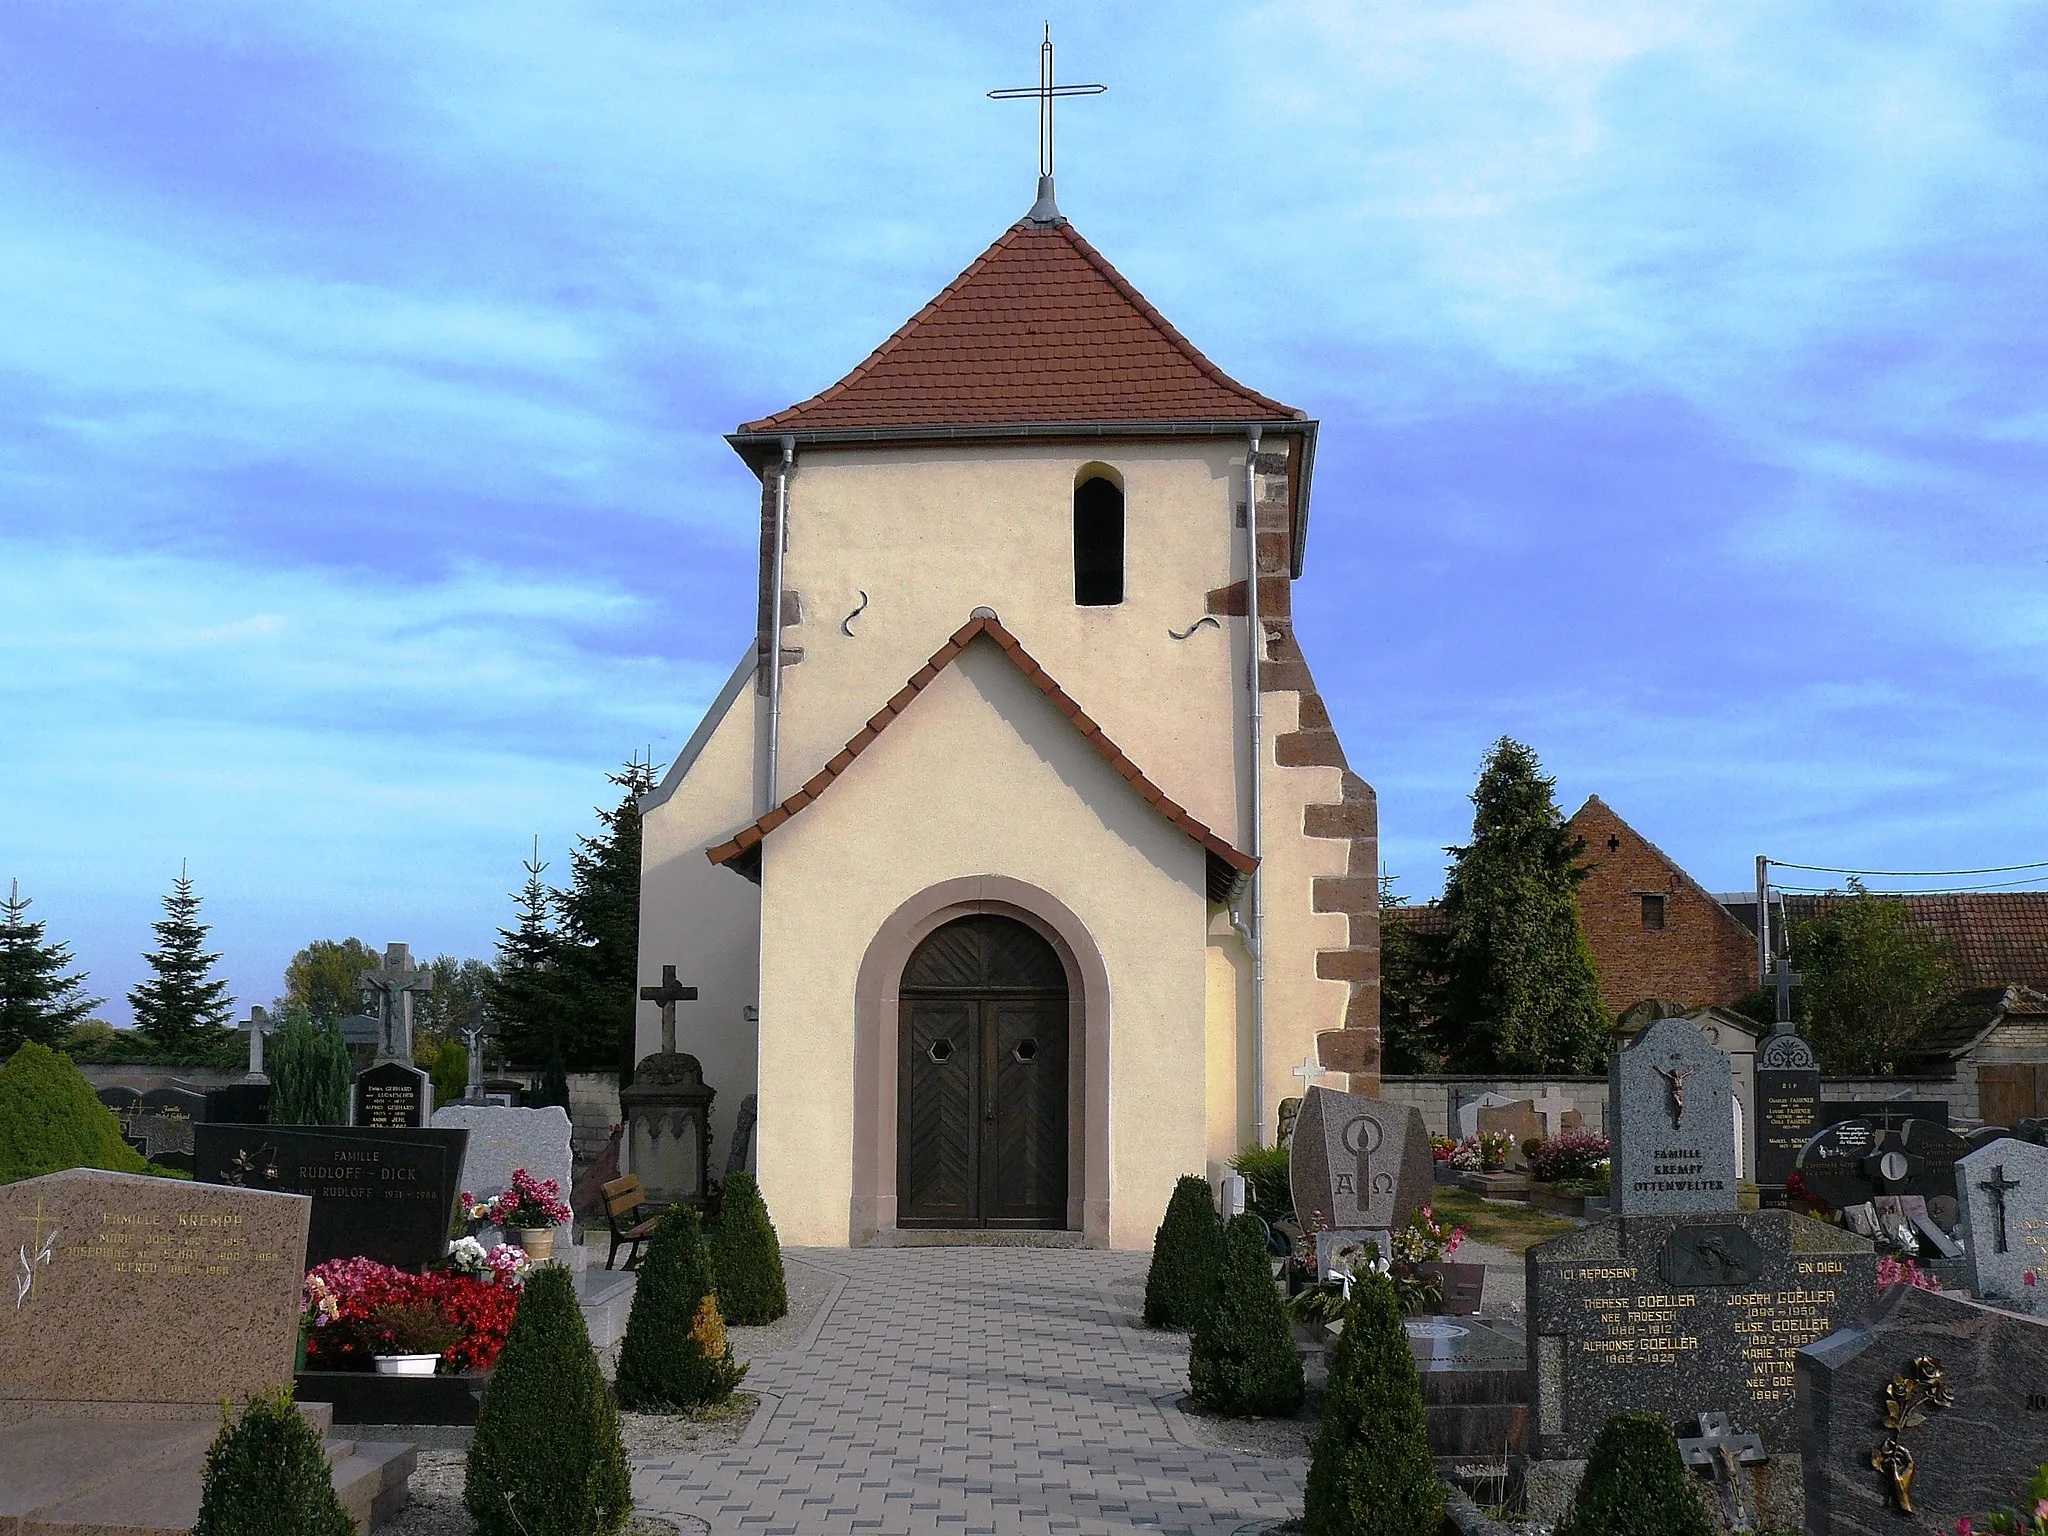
pixel 1254 1437
pixel 436 1505
pixel 808 1288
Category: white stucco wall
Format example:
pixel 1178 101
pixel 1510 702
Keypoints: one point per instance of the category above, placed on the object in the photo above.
pixel 703 920
pixel 981 775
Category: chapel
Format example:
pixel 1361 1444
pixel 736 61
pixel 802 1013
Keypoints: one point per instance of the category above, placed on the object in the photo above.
pixel 1017 865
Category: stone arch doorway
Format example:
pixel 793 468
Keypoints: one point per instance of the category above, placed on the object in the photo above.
pixel 982 1082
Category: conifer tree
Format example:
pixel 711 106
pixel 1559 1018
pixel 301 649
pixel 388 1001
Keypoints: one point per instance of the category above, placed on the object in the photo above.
pixel 1370 1468
pixel 40 996
pixel 1521 994
pixel 598 919
pixel 675 1356
pixel 1241 1359
pixel 310 1072
pixel 183 1008
pixel 524 988
pixel 1187 1257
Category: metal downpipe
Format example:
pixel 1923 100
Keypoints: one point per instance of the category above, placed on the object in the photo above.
pixel 1255 937
pixel 772 781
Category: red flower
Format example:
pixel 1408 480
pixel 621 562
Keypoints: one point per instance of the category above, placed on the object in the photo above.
pixel 483 1309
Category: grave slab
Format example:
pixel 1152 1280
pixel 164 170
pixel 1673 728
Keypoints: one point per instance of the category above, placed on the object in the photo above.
pixel 2002 1192
pixel 388 1195
pixel 1684 1315
pixel 502 1140
pixel 1670 1111
pixel 1968 1455
pixel 1358 1161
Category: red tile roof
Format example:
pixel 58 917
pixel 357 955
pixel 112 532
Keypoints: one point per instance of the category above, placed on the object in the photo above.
pixel 1226 863
pixel 1040 330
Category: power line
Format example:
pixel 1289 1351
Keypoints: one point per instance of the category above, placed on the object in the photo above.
pixel 1958 890
pixel 1908 874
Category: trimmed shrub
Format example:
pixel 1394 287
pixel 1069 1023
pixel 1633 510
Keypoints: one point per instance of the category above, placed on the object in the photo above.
pixel 549 1455
pixel 748 1257
pixel 1242 1360
pixel 51 1120
pixel 267 1472
pixel 1187 1258
pixel 675 1356
pixel 1635 1482
pixel 1370 1468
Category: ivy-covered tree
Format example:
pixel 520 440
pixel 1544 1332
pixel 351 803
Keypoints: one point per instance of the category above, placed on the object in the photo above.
pixel 325 979
pixel 41 997
pixel 1520 993
pixel 183 1009
pixel 1874 980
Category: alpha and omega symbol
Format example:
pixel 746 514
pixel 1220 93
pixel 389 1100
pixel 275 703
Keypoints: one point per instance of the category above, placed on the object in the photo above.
pixel 1361 1138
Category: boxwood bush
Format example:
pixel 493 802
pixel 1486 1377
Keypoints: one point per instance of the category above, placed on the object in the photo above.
pixel 1370 1467
pixel 50 1120
pixel 747 1256
pixel 267 1472
pixel 675 1356
pixel 1187 1258
pixel 1634 1482
pixel 1242 1360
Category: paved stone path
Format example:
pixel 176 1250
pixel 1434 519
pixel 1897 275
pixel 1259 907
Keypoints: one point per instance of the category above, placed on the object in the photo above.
pixel 974 1390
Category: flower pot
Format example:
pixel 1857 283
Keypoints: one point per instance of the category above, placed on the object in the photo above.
pixel 539 1242
pixel 407 1365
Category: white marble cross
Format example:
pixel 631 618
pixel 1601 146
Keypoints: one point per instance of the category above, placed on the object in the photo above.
pixel 1551 1107
pixel 259 1026
pixel 1310 1069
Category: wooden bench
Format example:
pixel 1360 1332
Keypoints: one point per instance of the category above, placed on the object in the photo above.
pixel 632 1222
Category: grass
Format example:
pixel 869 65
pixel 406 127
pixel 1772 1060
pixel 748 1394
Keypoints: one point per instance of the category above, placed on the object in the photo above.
pixel 1504 1224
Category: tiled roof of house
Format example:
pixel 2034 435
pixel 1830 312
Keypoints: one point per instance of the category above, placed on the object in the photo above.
pixel 1428 919
pixel 1973 1014
pixel 1040 330
pixel 1997 937
pixel 1227 864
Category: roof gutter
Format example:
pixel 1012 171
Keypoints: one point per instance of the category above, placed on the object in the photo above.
pixel 760 449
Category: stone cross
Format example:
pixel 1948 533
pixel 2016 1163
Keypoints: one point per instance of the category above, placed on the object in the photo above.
pixel 668 994
pixel 1783 978
pixel 395 982
pixel 1551 1107
pixel 259 1026
pixel 1723 1452
pixel 1995 1187
pixel 1310 1069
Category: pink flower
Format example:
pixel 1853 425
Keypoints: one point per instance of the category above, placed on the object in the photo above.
pixel 2027 1278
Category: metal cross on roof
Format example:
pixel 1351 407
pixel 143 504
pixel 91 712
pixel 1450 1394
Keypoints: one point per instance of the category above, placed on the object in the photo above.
pixel 1783 978
pixel 1044 211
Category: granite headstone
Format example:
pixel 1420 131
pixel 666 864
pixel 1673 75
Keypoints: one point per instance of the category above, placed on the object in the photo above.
pixel 503 1139
pixel 1358 1162
pixel 1684 1315
pixel 388 1195
pixel 2002 1191
pixel 124 1288
pixel 1973 1384
pixel 1670 1097
pixel 393 1095
pixel 1468 1112
pixel 1787 1103
pixel 1853 1161
pixel 1518 1120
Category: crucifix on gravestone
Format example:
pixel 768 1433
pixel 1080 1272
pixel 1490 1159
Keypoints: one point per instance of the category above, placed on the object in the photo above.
pixel 259 1026
pixel 1551 1107
pixel 1310 1069
pixel 395 982
pixel 1782 978
pixel 1995 1187
pixel 1045 210
pixel 668 994
pixel 478 1030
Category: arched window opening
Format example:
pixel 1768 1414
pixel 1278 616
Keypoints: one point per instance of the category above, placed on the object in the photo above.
pixel 1098 542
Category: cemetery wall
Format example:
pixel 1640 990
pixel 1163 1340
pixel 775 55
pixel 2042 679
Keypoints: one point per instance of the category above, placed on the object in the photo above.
pixel 135 1074
pixel 594 1110
pixel 1959 1091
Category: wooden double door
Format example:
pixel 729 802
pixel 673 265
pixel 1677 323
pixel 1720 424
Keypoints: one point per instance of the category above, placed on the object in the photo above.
pixel 981 1134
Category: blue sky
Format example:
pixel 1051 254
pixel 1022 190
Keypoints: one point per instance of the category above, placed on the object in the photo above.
pixel 362 371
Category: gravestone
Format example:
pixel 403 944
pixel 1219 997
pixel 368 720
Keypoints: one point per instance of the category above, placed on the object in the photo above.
pixel 1468 1112
pixel 137 1306
pixel 1787 1103
pixel 123 1288
pixel 1670 1098
pixel 1854 1161
pixel 2002 1190
pixel 1967 1387
pixel 1519 1120
pixel 1557 1113
pixel 1683 1315
pixel 392 1095
pixel 1360 1162
pixel 388 1195
pixel 157 1121
pixel 502 1140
